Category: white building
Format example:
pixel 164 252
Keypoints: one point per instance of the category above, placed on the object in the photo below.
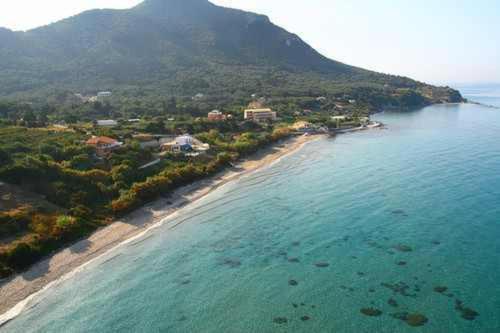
pixel 107 123
pixel 104 94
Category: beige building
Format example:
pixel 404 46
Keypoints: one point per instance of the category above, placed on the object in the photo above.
pixel 260 115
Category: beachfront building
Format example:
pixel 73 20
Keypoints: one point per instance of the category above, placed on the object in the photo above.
pixel 107 123
pixel 216 115
pixel 185 144
pixel 260 115
pixel 103 145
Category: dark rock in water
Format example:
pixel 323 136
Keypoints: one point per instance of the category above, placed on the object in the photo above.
pixel 465 312
pixel 440 289
pixel 233 263
pixel 371 312
pixel 305 318
pixel 354 257
pixel 351 289
pixel 296 243
pixel 416 319
pixel 436 242
pixel 371 290
pixel 399 212
pixel 401 263
pixel 361 274
pixel 302 304
pixel 185 282
pixel 313 306
pixel 399 288
pixel 469 314
pixel 280 320
pixel 322 264
pixel 412 319
pixel 294 260
pixel 293 283
pixel 392 302
pixel 295 305
pixel 403 248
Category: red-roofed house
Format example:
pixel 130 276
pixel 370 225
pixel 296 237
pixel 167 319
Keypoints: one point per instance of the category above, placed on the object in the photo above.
pixel 103 145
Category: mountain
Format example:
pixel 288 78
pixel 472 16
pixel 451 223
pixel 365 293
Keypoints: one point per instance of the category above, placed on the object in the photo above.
pixel 176 47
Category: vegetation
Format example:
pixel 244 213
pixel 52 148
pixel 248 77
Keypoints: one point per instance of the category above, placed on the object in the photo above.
pixel 76 191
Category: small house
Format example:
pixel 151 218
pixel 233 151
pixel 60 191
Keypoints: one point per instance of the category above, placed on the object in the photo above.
pixel 103 144
pixel 216 115
pixel 107 123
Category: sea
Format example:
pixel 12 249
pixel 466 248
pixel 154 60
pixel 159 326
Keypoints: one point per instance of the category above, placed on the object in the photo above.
pixel 386 230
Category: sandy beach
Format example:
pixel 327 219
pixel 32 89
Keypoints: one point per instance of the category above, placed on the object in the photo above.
pixel 15 291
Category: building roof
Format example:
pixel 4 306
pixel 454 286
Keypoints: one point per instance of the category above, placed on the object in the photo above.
pixel 95 140
pixel 108 122
pixel 258 110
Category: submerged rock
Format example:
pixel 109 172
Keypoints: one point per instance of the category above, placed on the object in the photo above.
pixel 233 263
pixel 294 260
pixel 293 283
pixel 399 288
pixel 416 319
pixel 322 264
pixel 392 302
pixel 305 318
pixel 280 320
pixel 296 243
pixel 371 312
pixel 465 312
pixel 440 289
pixel 403 248
pixel 295 305
pixel 412 319
pixel 401 263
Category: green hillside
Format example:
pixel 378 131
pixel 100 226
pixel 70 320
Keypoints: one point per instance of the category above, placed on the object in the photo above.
pixel 175 48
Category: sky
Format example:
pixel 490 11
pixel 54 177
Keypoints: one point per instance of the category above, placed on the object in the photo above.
pixel 440 42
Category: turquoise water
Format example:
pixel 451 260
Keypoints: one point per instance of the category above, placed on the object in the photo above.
pixel 385 214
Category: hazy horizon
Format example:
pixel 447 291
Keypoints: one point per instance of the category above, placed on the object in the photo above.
pixel 440 43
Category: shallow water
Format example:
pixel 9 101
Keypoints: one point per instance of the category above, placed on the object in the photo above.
pixel 354 222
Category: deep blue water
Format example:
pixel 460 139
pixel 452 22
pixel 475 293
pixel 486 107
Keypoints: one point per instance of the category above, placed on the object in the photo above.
pixel 428 184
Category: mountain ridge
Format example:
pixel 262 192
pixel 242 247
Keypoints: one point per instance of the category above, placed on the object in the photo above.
pixel 174 47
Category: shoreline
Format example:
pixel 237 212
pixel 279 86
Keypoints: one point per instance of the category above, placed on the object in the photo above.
pixel 18 291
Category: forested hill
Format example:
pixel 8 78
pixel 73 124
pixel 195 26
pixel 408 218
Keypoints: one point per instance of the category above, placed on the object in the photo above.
pixel 177 47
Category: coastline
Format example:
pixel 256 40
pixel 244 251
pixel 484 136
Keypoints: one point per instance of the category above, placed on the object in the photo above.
pixel 17 291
